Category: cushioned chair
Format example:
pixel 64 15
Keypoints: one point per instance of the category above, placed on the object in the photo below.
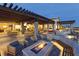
pixel 15 48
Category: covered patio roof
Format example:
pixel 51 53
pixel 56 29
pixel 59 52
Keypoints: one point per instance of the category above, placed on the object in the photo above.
pixel 67 22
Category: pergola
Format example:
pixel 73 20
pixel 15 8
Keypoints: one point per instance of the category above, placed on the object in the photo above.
pixel 11 13
pixel 20 14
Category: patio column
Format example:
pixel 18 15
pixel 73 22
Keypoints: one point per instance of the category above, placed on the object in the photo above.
pixel 36 29
pixel 47 27
pixel 13 27
pixel 52 26
pixel 43 27
pixel 23 28
pixel 71 27
pixel 55 25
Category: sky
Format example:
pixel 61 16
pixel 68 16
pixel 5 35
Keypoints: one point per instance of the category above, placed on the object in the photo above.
pixel 52 10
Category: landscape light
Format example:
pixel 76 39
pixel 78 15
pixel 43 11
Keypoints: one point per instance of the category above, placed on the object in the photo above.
pixel 18 26
pixel 5 26
pixel 25 24
pixel 70 37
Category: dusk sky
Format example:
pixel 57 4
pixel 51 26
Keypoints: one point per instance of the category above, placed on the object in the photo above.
pixel 64 11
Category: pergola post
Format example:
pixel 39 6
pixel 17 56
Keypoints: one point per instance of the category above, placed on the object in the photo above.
pixel 48 27
pixel 55 25
pixel 43 27
pixel 71 26
pixel 13 27
pixel 52 26
pixel 36 29
pixel 23 28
